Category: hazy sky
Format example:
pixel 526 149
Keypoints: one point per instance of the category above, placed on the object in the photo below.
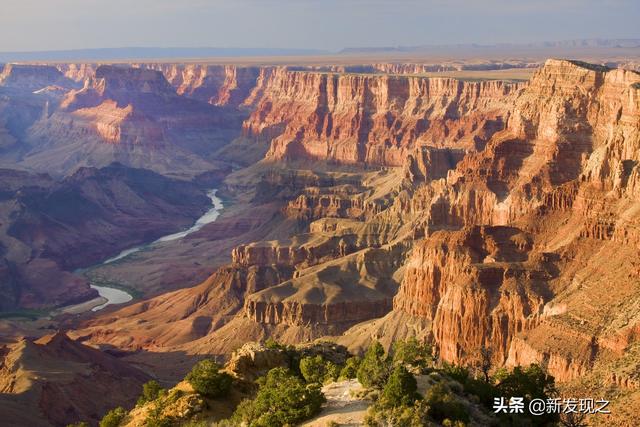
pixel 323 24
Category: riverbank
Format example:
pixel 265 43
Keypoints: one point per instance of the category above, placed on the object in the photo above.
pixel 113 295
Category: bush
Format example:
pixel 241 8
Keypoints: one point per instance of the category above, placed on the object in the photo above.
pixel 350 368
pixel 444 405
pixel 206 379
pixel 113 418
pixel 531 382
pixel 273 344
pixel 283 398
pixel 332 372
pixel 150 392
pixel 313 369
pixel 374 369
pixel 400 416
pixel 412 353
pixel 401 389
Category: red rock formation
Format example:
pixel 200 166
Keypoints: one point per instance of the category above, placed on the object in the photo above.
pixel 373 119
pixel 565 168
pixel 222 85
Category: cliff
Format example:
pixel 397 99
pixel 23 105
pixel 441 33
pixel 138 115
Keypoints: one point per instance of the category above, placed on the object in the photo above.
pixel 373 119
pixel 563 171
pixel 132 116
pixel 221 85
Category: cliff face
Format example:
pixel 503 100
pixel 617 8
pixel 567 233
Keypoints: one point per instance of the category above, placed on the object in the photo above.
pixel 509 220
pixel 563 169
pixel 222 85
pixel 132 116
pixel 478 287
pixel 373 119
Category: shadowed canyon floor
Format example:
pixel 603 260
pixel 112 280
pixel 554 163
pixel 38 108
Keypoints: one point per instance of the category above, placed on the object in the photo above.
pixel 361 203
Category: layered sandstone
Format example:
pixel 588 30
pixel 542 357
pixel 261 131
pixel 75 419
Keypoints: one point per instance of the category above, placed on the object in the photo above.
pixel 133 116
pixel 222 85
pixel 374 119
pixel 563 168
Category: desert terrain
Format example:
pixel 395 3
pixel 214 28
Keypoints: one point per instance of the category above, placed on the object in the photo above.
pixel 157 213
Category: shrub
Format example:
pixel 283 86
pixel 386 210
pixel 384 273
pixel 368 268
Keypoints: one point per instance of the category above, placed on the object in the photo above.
pixel 350 368
pixel 313 369
pixel 412 353
pixel 401 389
pixel 531 382
pixel 282 399
pixel 206 379
pixel 150 392
pixel 400 416
pixel 374 369
pixel 444 405
pixel 113 418
pixel 156 417
pixel 272 344
pixel 332 372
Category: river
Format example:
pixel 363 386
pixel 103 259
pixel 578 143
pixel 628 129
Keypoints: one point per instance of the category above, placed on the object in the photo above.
pixel 118 296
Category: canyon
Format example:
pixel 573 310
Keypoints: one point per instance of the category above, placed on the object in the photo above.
pixel 368 202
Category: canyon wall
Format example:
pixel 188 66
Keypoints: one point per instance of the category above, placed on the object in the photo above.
pixel 564 168
pixel 374 119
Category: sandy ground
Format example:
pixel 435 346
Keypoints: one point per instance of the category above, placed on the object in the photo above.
pixel 341 407
pixel 84 306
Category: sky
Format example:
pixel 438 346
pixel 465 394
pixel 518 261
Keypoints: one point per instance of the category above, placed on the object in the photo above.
pixel 31 25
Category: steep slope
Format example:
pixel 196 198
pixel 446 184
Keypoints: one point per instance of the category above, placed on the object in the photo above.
pixel 58 381
pixel 49 228
pixel 500 216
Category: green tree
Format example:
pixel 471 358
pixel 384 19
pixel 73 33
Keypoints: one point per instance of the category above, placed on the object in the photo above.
pixel 374 369
pixel 350 368
pixel 401 388
pixel 113 418
pixel 150 392
pixel 412 353
pixel 206 379
pixel 313 369
pixel 282 399
pixel 531 382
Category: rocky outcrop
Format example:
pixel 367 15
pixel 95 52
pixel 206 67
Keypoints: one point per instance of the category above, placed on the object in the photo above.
pixel 477 287
pixel 132 116
pixel 325 294
pixel 563 168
